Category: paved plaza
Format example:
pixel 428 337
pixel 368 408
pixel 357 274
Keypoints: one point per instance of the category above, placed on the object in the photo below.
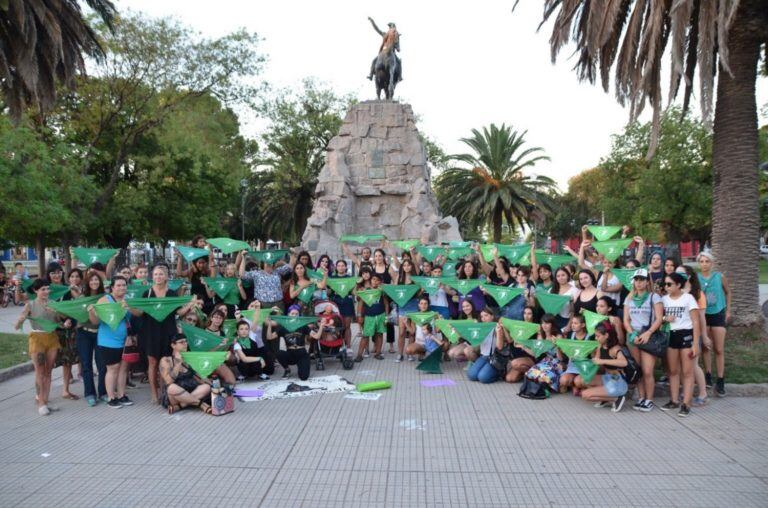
pixel 462 445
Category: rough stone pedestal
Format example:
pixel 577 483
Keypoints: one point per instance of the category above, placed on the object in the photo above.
pixel 376 181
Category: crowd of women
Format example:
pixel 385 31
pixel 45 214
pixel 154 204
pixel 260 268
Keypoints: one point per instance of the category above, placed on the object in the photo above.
pixel 664 314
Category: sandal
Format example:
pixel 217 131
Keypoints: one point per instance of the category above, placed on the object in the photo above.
pixel 205 408
pixel 70 396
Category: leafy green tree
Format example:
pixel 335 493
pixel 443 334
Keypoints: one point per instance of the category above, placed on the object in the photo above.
pixel 281 190
pixel 494 189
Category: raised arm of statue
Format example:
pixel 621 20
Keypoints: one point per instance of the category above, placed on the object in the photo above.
pixel 375 27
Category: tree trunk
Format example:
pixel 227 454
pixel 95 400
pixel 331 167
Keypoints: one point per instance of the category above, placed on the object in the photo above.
pixel 735 207
pixel 40 248
pixel 497 217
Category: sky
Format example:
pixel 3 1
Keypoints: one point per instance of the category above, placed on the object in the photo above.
pixel 465 65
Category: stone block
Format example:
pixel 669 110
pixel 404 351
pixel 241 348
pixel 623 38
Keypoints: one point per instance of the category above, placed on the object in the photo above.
pixel 396 189
pixel 366 190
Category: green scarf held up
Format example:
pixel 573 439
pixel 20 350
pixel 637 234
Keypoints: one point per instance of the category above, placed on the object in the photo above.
pixel 487 251
pixel 406 245
pixel 625 276
pixel 431 252
pixel 76 309
pixel 370 296
pixel 430 285
pixel 204 363
pixel 293 323
pixel 220 285
pixel 192 253
pixel 342 286
pixel 446 326
pixel 400 294
pixel 422 318
pixel 305 295
pixel 270 256
pixel 360 239
pixel 449 270
pixel 502 294
pixel 202 340
pixel 587 369
pixel 257 319
pixel 431 364
pixel 577 349
pixel 159 308
pixel 228 245
pixel 456 253
pixel 57 291
pixel 514 253
pixel 89 256
pixel 552 303
pixel 612 249
pixel 110 313
pixel 603 233
pixel 537 346
pixel 473 332
pixel 463 286
pixel 519 330
pixel 592 319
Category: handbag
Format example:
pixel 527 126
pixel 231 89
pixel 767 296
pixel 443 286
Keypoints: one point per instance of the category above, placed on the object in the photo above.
pixel 499 359
pixel 659 340
pixel 131 350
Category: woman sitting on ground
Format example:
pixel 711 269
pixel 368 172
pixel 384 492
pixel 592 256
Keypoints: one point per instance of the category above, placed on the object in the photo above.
pixel 184 388
pixel 295 352
pixel 463 350
pixel 611 387
pixel 550 365
pixel 419 346
pixel 483 369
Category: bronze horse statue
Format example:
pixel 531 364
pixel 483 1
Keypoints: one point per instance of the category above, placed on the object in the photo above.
pixel 386 67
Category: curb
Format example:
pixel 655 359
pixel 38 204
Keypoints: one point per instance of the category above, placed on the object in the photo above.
pixel 732 390
pixel 16 371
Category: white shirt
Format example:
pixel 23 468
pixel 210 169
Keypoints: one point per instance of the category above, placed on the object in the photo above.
pixel 681 308
pixel 572 293
pixel 439 299
pixel 487 345
pixel 613 295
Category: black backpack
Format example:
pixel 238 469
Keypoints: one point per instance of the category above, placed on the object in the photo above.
pixel 533 390
pixel 632 371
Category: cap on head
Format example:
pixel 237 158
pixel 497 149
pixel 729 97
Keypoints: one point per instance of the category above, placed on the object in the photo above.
pixel 391 25
pixel 640 272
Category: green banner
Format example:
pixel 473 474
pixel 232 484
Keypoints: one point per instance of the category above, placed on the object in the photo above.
pixel 45 325
pixel 159 308
pixel 293 323
pixel 269 256
pixel 192 253
pixel 305 295
pixel 431 252
pixel 406 244
pixel 342 286
pixel 502 294
pixel 602 233
pixel 587 369
pixel 431 364
pixel 473 332
pixel 550 302
pixel 89 256
pixel 519 330
pixel 202 340
pixel 422 318
pixel 110 313
pixel 463 286
pixel 537 346
pixel 204 363
pixel 429 284
pixel 455 253
pixel 369 296
pixel 76 309
pixel 400 294
pixel 222 286
pixel 252 316
pixel 592 319
pixel 447 329
pixel 612 249
pixel 577 349
pixel 360 239
pixel 228 245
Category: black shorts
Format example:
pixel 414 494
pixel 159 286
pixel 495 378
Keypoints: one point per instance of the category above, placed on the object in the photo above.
pixel 681 339
pixel 110 355
pixel 716 320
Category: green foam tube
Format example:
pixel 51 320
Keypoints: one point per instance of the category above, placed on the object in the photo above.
pixel 376 385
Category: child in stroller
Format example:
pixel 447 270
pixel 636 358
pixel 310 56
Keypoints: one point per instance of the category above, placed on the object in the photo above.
pixel 331 342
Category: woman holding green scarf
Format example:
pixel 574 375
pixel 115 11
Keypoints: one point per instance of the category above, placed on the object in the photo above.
pixel 643 315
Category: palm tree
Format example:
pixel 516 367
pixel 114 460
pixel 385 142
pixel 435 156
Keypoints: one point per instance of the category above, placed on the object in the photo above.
pixel 494 187
pixel 711 38
pixel 42 43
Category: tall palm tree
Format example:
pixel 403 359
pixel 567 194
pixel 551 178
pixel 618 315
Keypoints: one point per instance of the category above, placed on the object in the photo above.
pixel 494 187
pixel 711 38
pixel 42 43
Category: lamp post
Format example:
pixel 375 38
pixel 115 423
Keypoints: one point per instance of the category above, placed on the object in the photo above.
pixel 243 185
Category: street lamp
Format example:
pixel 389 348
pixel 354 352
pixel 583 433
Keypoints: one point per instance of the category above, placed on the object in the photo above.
pixel 243 185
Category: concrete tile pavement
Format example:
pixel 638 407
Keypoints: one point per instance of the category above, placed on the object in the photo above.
pixel 464 445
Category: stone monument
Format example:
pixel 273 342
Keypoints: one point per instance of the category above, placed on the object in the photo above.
pixel 376 180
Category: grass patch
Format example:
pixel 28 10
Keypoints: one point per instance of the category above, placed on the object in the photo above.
pixel 13 349
pixel 763 279
pixel 746 356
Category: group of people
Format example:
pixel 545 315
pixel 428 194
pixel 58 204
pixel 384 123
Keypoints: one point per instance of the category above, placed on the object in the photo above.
pixel 680 311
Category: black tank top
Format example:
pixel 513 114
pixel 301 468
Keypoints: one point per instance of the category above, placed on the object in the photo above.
pixel 590 305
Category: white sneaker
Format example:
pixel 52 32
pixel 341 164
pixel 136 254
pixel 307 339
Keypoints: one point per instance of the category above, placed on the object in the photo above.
pixel 43 411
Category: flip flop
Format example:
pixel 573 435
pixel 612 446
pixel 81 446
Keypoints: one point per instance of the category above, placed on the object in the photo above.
pixel 70 396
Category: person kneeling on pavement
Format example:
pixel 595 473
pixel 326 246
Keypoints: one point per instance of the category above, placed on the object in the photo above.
pixel 296 346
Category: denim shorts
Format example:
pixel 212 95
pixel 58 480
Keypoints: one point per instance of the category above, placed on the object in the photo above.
pixel 615 385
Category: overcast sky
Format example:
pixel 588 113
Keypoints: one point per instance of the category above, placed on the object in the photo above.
pixel 465 65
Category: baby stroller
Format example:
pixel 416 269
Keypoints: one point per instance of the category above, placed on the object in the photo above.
pixel 331 343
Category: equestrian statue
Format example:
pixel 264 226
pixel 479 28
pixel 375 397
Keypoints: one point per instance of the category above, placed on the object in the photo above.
pixel 386 67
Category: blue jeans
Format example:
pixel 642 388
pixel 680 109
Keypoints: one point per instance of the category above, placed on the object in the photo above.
pixel 86 350
pixel 482 371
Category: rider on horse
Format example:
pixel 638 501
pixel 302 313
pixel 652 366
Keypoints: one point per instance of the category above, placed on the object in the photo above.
pixel 390 41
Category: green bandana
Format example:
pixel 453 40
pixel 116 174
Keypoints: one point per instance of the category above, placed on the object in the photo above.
pixel 474 333
pixel 159 308
pixel 204 363
pixel 422 318
pixel 342 286
pixel 459 243
pixel 429 284
pixel 192 253
pixel 45 325
pixel 455 253
pixel 487 251
pixel 269 257
pixel 603 233
pixel 519 330
pixel 639 300
pixel 253 317
pixel 175 284
pixel 76 309
pixel 400 294
pixel 293 323
pixel 592 319
pixel 316 275
pixel 135 291
pixel 431 364
pixel 360 239
pixel 431 252
pixel 89 256
pixel 229 327
pixel 57 291
pixel 369 296
pixel 625 276
pixel 446 327
pixel 612 249
pixel 554 260
pixel 228 245
pixel 220 285
pixel 202 340
pixel 449 270
pixel 305 295
pixel 405 244
pixel 110 313
pixel 537 346
pixel 552 303
pixel 463 286
pixel 514 253
pixel 587 369
pixel 502 294
pixel 577 349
